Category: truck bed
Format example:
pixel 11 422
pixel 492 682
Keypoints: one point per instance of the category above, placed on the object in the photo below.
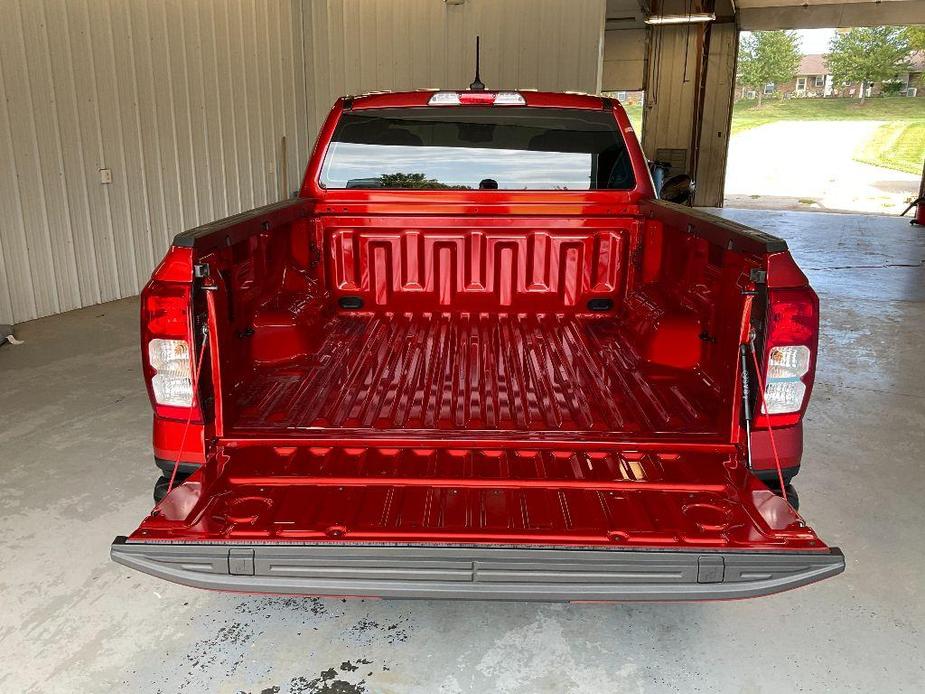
pixel 470 372
pixel 417 386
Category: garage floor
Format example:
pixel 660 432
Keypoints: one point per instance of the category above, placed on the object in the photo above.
pixel 76 470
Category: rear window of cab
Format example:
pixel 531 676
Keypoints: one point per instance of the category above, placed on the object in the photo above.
pixel 477 148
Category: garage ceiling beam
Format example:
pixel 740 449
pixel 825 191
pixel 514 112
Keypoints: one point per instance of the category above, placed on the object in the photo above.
pixel 823 16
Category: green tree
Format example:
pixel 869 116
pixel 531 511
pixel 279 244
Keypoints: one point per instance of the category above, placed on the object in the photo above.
pixel 915 35
pixel 867 55
pixel 414 180
pixel 768 56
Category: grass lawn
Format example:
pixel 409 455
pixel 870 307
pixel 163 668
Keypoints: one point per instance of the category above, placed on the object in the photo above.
pixel 634 111
pixel 899 146
pixel 745 115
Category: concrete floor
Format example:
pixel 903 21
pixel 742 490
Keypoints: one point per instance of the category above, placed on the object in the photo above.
pixel 76 471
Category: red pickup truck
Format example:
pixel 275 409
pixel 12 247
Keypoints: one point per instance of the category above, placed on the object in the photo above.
pixel 477 357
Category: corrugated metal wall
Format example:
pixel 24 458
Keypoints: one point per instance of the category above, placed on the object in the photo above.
pixel 624 60
pixel 671 88
pixel 717 113
pixel 354 46
pixel 186 101
pixel 676 67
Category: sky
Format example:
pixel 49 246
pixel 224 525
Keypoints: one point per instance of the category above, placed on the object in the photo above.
pixel 815 40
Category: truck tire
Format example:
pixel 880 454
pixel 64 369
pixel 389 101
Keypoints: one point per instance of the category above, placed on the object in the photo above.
pixel 792 497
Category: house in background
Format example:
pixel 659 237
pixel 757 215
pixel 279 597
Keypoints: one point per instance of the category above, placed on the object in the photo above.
pixel 913 81
pixel 813 79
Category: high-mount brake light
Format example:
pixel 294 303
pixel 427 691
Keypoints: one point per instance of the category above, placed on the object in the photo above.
pixel 790 355
pixel 477 99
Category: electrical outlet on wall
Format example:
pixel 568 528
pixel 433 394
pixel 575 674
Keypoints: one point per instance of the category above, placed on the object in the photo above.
pixel 105 175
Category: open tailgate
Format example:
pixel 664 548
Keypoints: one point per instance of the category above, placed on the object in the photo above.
pixel 584 523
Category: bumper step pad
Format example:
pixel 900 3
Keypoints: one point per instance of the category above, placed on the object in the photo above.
pixel 480 573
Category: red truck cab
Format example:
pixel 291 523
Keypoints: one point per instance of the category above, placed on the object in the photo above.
pixel 476 357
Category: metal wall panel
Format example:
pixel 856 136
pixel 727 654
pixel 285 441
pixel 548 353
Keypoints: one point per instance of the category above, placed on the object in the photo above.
pixel 186 101
pixel 677 66
pixel 624 60
pixel 717 115
pixel 355 46
pixel 671 90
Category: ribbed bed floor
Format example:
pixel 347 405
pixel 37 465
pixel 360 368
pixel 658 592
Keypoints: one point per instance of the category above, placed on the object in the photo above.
pixel 526 373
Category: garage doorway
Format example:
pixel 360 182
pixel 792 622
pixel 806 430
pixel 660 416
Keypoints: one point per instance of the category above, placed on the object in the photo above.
pixel 632 102
pixel 812 143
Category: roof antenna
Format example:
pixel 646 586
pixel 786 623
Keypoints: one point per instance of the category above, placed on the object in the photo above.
pixel 477 85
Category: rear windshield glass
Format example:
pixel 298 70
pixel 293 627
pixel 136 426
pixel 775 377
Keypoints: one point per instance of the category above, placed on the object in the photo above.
pixel 477 147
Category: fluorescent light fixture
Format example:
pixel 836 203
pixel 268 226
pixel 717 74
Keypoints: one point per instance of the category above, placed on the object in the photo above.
pixel 697 18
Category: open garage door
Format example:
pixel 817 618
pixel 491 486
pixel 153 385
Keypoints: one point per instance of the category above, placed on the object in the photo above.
pixel 812 134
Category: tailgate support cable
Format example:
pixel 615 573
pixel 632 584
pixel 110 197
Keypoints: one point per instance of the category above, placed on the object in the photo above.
pixel 760 401
pixel 195 386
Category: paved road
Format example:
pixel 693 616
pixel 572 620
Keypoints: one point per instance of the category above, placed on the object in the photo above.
pixel 805 165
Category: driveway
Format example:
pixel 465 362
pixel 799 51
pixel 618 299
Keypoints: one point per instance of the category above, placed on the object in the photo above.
pixel 807 165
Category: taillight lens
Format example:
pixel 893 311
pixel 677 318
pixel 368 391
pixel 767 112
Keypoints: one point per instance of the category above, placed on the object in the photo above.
pixel 790 355
pixel 172 382
pixel 784 387
pixel 165 309
pixel 166 334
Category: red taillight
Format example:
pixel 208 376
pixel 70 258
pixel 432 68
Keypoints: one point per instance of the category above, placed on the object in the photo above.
pixel 166 344
pixel 790 345
pixel 165 309
pixel 476 98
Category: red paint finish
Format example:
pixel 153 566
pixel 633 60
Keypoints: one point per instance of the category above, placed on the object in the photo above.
pixel 525 496
pixel 788 442
pixel 422 97
pixel 471 264
pixel 177 266
pixel 170 443
pixel 514 373
pixel 425 366
pixel 783 272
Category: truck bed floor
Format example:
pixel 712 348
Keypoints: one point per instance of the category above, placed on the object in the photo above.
pixel 462 372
